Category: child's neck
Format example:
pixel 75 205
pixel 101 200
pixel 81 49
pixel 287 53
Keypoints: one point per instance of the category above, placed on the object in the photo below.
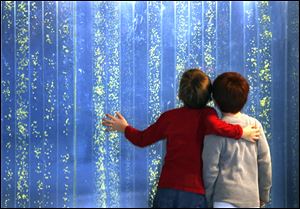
pixel 231 114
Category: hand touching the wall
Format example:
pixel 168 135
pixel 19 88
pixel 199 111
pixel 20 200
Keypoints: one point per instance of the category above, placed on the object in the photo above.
pixel 118 123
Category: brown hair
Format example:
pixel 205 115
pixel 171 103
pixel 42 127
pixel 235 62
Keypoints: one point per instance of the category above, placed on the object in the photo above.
pixel 230 92
pixel 195 88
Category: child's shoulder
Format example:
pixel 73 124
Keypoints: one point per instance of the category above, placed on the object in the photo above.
pixel 209 109
pixel 251 120
pixel 171 112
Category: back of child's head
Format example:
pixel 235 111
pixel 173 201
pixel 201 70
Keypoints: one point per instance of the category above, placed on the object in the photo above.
pixel 230 92
pixel 195 88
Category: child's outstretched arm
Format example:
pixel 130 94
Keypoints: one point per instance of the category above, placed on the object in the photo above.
pixel 150 135
pixel 214 125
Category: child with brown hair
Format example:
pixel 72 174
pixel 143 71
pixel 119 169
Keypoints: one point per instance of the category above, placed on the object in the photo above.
pixel 180 183
pixel 235 173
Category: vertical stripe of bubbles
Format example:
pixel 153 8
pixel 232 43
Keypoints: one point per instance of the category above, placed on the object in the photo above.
pixel 127 97
pixel 154 69
pixel 99 97
pixel 22 105
pixel 251 53
pixel 264 65
pixel 223 37
pixel 36 109
pixel 50 108
pixel 209 42
pixel 195 55
pixel 7 105
pixel 65 105
pixel 181 33
pixel 140 83
pixel 112 68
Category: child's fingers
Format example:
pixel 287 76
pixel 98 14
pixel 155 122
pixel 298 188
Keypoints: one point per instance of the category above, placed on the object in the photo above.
pixel 257 134
pixel 252 141
pixel 255 128
pixel 107 121
pixel 110 116
pixel 119 115
pixel 107 124
pixel 256 137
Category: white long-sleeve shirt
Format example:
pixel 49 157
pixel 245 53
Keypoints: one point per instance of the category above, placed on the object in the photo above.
pixel 237 172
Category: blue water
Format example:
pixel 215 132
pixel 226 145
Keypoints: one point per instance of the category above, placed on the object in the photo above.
pixel 65 64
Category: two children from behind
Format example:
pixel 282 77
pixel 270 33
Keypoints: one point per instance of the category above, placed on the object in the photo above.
pixel 181 183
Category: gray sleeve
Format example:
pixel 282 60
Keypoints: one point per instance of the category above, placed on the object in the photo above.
pixel 264 167
pixel 210 156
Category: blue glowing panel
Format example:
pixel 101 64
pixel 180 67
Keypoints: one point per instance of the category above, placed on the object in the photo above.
pixel 65 64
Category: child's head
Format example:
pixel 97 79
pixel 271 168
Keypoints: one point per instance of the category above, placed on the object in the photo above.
pixel 230 92
pixel 195 88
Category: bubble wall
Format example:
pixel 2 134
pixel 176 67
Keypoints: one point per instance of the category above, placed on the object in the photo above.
pixel 65 64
